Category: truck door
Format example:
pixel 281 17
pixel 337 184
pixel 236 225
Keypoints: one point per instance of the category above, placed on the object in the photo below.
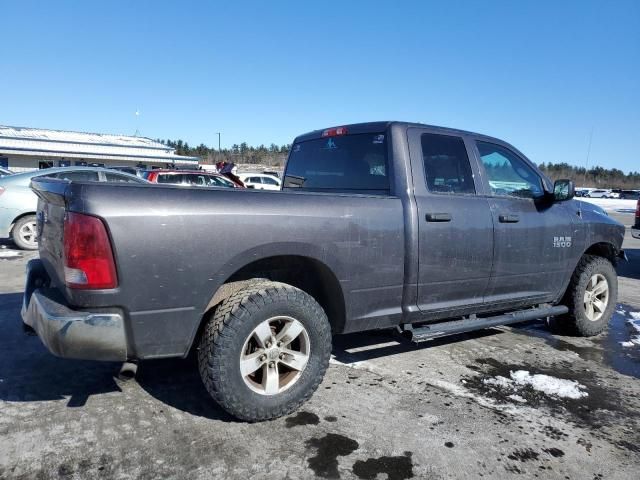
pixel 532 236
pixel 454 223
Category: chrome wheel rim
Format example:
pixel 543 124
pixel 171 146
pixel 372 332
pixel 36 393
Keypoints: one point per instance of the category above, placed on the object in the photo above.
pixel 274 355
pixel 27 233
pixel 596 297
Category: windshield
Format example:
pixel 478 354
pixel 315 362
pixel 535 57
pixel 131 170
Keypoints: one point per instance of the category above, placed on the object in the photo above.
pixel 350 163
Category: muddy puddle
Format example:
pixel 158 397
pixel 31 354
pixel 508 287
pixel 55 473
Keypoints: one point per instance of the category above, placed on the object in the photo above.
pixel 605 349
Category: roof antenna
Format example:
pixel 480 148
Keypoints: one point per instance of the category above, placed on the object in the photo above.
pixel 137 134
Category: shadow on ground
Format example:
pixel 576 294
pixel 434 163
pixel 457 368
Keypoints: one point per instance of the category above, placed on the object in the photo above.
pixel 630 269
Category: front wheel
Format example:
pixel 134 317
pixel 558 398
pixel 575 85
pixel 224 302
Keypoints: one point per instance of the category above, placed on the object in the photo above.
pixel 264 351
pixel 591 295
pixel 23 233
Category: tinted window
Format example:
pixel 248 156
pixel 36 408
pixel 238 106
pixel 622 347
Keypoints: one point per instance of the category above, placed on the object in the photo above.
pixel 114 177
pixel 78 176
pixel 254 180
pixel 508 174
pixel 350 163
pixel 446 164
pixel 196 179
pixel 171 178
pixel 220 182
pixel 269 181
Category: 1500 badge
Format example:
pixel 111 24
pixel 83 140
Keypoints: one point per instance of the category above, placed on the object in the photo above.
pixel 561 242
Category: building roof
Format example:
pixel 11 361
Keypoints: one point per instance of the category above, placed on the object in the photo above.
pixel 61 143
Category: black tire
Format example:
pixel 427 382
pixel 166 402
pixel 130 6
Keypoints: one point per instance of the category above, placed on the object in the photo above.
pixel 17 237
pixel 224 337
pixel 577 318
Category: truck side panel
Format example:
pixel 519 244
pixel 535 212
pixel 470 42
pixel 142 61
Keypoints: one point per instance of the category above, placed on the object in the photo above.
pixel 174 247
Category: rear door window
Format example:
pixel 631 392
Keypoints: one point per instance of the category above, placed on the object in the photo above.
pixel 171 178
pixel 114 177
pixel 78 176
pixel 446 164
pixel 349 164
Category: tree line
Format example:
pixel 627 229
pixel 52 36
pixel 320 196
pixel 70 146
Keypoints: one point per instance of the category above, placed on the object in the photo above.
pixel 273 155
pixel 276 156
pixel 592 177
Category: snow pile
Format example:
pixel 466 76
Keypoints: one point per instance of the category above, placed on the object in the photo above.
pixel 552 386
pixel 635 324
pixel 9 253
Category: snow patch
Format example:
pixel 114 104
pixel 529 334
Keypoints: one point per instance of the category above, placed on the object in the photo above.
pixel 9 254
pixel 635 324
pixel 552 386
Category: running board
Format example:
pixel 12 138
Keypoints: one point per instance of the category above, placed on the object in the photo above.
pixel 428 332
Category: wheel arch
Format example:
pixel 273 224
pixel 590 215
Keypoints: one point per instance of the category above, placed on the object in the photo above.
pixel 305 272
pixel 15 220
pixel 603 249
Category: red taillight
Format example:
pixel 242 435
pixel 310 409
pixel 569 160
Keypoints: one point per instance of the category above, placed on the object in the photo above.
pixel 88 259
pixel 334 132
pixel 638 209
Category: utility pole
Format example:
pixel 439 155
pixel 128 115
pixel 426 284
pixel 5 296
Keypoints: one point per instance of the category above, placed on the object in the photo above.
pixel 218 133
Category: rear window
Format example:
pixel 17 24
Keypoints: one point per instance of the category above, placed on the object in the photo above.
pixel 171 178
pixel 350 163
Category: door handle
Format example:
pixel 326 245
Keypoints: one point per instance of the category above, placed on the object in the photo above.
pixel 509 218
pixel 438 217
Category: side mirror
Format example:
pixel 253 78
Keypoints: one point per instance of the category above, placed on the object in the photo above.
pixel 563 190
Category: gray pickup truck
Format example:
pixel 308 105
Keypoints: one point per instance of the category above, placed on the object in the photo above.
pixel 388 225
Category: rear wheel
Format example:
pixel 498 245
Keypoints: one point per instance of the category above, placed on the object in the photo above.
pixel 23 233
pixel 591 295
pixel 265 351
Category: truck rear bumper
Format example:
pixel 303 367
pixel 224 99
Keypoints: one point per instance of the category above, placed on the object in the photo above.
pixel 70 333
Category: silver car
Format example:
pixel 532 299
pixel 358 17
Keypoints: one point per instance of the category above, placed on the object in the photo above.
pixel 18 203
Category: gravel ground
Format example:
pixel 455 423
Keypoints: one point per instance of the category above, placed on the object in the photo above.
pixel 450 408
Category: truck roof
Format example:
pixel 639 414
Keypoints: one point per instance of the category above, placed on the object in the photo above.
pixel 371 127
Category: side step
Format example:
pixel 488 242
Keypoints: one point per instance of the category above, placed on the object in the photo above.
pixel 428 332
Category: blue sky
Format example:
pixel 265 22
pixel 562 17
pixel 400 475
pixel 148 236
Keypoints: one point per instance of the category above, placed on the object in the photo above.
pixel 539 74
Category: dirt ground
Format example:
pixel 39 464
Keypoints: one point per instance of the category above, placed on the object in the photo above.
pixel 449 408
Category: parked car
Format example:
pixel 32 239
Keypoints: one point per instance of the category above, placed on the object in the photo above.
pixel 4 172
pixel 581 192
pixel 635 230
pixel 260 181
pixel 18 203
pixel 630 194
pixel 195 178
pixel 599 193
pixel 378 225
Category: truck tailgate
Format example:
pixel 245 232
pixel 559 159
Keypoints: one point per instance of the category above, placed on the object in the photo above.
pixel 50 223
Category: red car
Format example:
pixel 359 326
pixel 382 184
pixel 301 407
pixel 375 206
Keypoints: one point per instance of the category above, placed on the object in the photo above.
pixel 635 230
pixel 192 178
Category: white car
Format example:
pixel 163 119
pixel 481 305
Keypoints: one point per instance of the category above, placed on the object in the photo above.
pixel 260 181
pixel 600 194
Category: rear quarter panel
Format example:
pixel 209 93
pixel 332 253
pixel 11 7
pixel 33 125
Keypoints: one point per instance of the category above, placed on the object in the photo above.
pixel 174 247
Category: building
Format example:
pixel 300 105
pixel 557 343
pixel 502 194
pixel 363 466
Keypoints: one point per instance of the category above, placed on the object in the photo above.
pixel 23 149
